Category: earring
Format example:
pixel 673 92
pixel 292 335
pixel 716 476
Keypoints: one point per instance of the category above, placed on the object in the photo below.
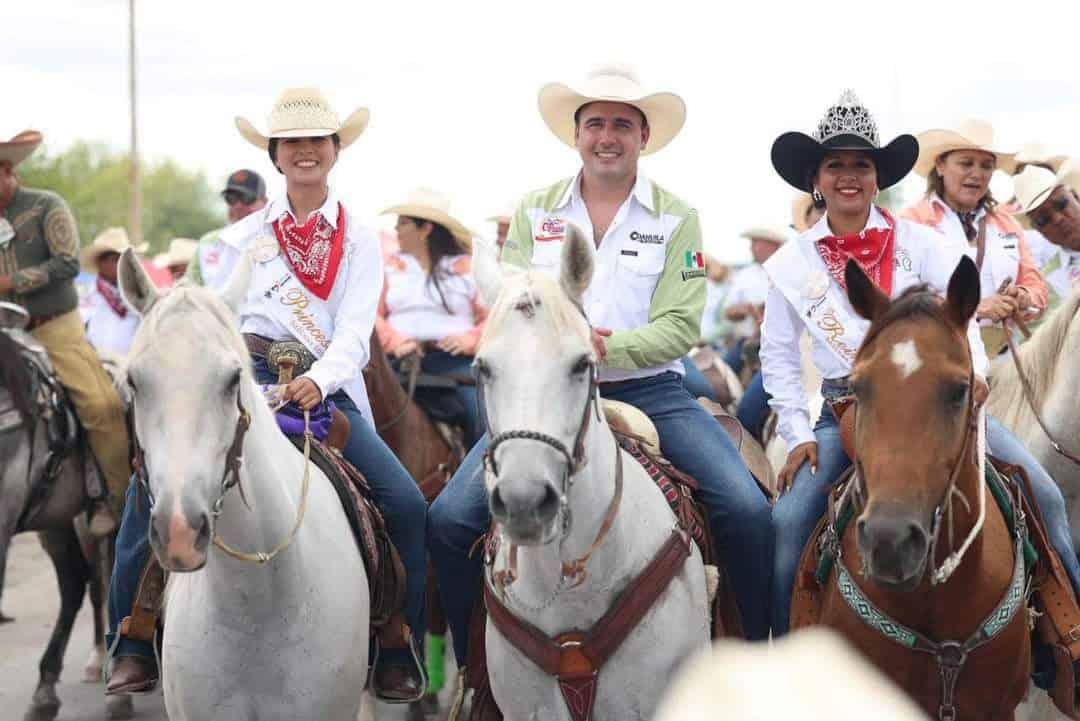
pixel 818 198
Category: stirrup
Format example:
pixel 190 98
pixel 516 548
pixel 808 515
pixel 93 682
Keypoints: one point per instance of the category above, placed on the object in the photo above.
pixel 416 665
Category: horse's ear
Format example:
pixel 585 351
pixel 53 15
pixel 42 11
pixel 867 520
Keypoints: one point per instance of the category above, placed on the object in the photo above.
pixel 486 271
pixel 236 287
pixel 866 298
pixel 962 297
pixel 135 284
pixel 578 261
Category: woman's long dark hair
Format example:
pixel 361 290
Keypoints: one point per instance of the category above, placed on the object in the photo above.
pixel 441 243
pixel 15 376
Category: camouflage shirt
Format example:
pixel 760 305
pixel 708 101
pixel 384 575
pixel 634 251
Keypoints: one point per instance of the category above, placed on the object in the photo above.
pixel 43 255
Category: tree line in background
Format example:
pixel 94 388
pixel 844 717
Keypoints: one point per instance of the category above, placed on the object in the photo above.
pixel 176 202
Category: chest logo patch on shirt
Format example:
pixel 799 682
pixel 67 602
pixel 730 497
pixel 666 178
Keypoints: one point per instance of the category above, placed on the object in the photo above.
pixel 651 238
pixel 695 265
pixel 551 229
pixel 632 253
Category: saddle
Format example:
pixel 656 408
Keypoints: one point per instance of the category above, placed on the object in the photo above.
pixel 1052 596
pixel 577 658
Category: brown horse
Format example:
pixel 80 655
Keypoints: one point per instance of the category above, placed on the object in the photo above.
pixel 916 439
pixel 406 429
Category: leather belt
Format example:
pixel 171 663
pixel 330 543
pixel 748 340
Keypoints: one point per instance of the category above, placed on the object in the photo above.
pixel 257 345
pixel 616 386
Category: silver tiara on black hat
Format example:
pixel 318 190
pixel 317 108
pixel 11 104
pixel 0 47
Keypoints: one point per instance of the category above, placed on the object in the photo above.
pixel 848 117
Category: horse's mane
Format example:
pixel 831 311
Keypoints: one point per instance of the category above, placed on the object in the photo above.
pixel 535 292
pixel 15 375
pixel 918 301
pixel 185 300
pixel 1040 357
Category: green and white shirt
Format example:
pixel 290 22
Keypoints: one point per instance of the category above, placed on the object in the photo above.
pixel 649 281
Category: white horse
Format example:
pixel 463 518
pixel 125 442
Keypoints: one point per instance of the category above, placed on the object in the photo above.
pixel 535 365
pixel 811 675
pixel 282 640
pixel 1050 362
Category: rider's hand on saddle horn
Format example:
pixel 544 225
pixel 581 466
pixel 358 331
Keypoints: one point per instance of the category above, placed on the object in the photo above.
pixel 800 454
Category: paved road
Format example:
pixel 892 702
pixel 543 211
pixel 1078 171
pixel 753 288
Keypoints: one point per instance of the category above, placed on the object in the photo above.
pixel 32 599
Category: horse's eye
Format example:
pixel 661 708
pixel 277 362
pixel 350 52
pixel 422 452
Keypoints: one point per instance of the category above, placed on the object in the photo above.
pixel 956 394
pixel 583 364
pixel 131 383
pixel 234 381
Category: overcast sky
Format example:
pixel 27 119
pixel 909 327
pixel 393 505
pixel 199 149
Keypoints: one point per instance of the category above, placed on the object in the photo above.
pixel 452 85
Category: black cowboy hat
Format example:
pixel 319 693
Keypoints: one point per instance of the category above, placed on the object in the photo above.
pixel 846 126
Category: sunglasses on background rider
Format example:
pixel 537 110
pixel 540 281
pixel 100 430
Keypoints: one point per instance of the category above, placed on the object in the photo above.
pixel 232 197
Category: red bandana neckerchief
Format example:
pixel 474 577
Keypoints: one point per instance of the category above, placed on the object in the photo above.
pixel 112 296
pixel 313 250
pixel 872 249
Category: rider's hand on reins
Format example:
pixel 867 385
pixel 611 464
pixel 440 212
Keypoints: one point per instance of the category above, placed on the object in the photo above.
pixel 454 344
pixel 800 454
pixel 304 393
pixel 598 336
pixel 996 307
pixel 408 348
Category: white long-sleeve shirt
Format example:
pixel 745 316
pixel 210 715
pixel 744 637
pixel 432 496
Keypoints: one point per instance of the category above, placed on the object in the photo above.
pixel 836 331
pixel 351 305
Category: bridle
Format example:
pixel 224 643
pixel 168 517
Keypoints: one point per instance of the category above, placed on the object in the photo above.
pixel 233 459
pixel 944 507
pixel 574 571
pixel 231 479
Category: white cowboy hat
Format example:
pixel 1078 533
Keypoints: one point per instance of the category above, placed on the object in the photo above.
pixel 1070 173
pixel 19 148
pixel 969 135
pixel 432 205
pixel 304 113
pixel 506 215
pixel 1039 153
pixel 1033 186
pixel 766 232
pixel 665 112
pixel 800 206
pixel 181 252
pixel 110 240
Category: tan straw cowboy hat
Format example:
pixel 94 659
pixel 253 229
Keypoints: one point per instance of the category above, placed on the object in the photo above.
pixel 664 111
pixel 969 135
pixel 304 113
pixel 1040 154
pixel 181 252
pixel 428 204
pixel 110 240
pixel 766 232
pixel 19 148
pixel 1033 186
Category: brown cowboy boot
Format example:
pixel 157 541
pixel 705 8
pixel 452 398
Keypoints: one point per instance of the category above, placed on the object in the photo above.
pixel 395 682
pixel 132 675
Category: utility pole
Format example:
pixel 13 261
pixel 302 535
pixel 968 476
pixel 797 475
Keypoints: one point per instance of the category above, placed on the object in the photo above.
pixel 135 193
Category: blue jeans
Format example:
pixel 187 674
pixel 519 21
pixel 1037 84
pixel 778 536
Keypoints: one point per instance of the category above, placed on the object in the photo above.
pixel 1004 446
pixel 439 362
pixel 132 551
pixel 753 409
pixel 733 357
pixel 797 511
pixel 694 442
pixel 398 497
pixel 695 382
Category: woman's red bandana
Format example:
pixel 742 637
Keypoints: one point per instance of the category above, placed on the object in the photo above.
pixel 872 249
pixel 313 250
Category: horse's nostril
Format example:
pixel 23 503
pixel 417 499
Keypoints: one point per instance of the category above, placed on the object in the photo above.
pixel 549 506
pixel 915 544
pixel 202 536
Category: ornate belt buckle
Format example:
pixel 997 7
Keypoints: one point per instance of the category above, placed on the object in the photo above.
pixel 291 351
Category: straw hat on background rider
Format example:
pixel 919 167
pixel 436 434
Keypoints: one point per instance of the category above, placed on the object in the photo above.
pixel 958 164
pixel 1053 207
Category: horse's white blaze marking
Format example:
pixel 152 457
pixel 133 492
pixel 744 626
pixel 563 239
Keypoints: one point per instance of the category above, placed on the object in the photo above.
pixel 906 357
